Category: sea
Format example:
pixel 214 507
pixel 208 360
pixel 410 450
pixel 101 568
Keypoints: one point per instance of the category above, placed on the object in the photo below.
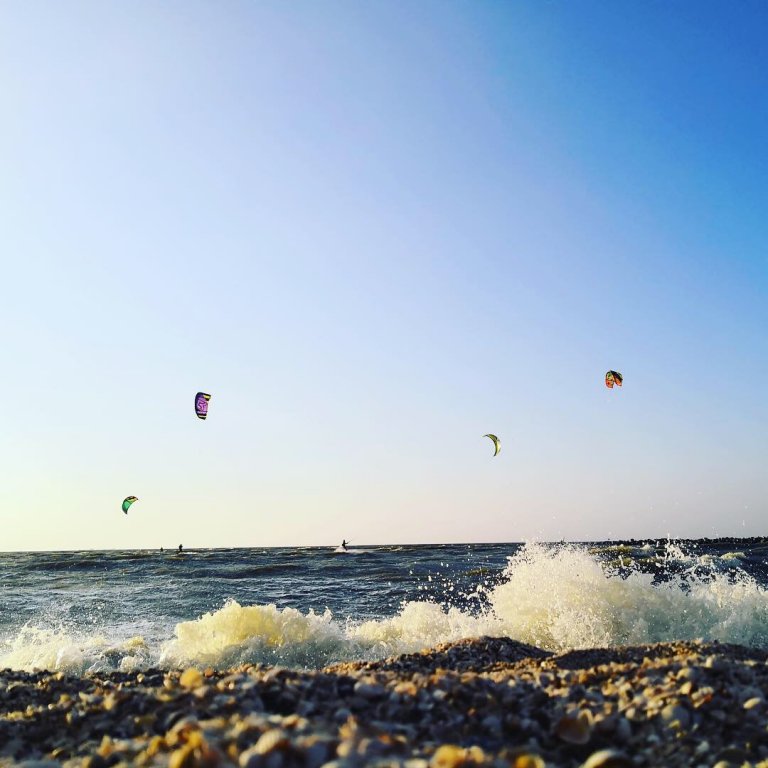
pixel 81 612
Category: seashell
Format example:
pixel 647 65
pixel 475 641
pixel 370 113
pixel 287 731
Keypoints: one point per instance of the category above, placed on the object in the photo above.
pixel 575 730
pixel 752 703
pixel 607 758
pixel 272 740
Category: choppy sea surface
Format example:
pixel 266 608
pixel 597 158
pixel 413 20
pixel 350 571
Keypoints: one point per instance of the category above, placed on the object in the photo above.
pixel 308 607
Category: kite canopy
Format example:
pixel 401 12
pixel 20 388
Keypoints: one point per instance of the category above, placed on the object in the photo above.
pixel 613 377
pixel 201 404
pixel 496 443
pixel 127 503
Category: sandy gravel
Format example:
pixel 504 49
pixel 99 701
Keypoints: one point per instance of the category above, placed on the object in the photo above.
pixel 481 702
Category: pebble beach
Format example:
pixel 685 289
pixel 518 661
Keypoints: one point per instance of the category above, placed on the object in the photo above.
pixel 478 702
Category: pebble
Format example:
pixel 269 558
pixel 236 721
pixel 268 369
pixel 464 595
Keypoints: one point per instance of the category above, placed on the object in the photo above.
pixel 528 761
pixel 485 702
pixel 676 714
pixel 370 691
pixel 575 729
pixel 607 758
pixel 191 678
pixel 272 740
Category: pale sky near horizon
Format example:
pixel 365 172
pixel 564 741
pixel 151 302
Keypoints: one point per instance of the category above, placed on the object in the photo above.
pixel 374 232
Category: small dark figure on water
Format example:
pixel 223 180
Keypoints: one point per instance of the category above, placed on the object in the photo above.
pixel 180 548
pixel 343 543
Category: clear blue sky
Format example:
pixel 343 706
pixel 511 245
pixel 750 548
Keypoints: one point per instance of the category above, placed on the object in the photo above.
pixel 375 231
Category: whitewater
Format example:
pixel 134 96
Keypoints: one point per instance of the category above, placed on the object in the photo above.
pixel 81 612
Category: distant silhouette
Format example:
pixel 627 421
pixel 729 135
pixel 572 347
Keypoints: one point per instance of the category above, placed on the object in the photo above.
pixel 180 548
pixel 343 543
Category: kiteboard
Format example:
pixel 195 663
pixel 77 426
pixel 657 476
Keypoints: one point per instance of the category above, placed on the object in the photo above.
pixel 342 551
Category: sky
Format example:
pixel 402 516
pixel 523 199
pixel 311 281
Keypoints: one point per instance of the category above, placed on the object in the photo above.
pixel 375 232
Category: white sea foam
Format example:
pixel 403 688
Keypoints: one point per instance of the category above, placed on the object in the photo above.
pixel 562 598
pixel 554 597
pixel 70 651
pixel 255 633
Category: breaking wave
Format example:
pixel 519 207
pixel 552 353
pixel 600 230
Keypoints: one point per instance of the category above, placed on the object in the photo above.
pixel 557 597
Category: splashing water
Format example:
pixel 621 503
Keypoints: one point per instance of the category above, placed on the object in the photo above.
pixel 556 597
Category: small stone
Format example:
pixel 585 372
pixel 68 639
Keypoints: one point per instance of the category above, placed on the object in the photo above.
pixel 274 739
pixel 156 745
pixel 528 760
pixel 94 761
pixel 250 758
pixel 607 758
pixel 191 678
pixel 179 733
pixel 317 754
pixel 733 755
pixel 492 724
pixel 575 730
pixel 449 756
pixel 370 691
pixel 39 764
pixel 182 758
pixel 342 714
pixel 623 729
pixel 675 713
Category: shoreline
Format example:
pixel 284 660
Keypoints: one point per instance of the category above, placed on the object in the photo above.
pixel 480 702
pixel 748 541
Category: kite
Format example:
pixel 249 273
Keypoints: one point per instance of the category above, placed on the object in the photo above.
pixel 127 503
pixel 201 404
pixel 496 443
pixel 613 377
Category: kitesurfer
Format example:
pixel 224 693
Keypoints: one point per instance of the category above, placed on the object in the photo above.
pixel 496 443
pixel 180 548
pixel 344 544
pixel 201 404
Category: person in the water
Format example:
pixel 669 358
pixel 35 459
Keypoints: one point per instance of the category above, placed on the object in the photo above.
pixel 344 544
pixel 180 548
